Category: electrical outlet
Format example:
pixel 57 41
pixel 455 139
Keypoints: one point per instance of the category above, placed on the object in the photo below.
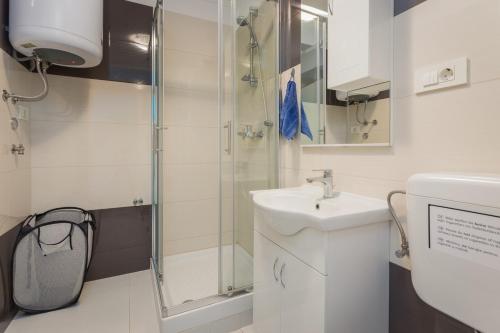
pixel 445 75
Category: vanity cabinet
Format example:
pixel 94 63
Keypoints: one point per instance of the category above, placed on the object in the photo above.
pixel 316 281
pixel 289 295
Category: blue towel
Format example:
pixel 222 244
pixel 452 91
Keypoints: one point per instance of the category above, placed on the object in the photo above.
pixel 304 124
pixel 289 114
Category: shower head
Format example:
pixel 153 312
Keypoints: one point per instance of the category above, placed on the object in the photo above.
pixel 243 21
pixel 251 79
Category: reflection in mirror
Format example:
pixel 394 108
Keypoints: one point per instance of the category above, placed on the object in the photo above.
pixel 357 117
pixel 313 69
pixel 361 116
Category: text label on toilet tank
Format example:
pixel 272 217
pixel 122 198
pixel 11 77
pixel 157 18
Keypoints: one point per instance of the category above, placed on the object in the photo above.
pixel 469 235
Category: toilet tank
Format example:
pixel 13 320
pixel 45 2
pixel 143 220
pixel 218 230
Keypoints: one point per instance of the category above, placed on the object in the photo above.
pixel 63 32
pixel 454 235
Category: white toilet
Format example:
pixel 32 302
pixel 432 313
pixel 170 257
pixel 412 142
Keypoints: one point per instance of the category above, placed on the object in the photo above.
pixel 454 234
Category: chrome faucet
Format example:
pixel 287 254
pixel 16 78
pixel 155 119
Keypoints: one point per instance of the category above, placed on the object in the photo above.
pixel 326 180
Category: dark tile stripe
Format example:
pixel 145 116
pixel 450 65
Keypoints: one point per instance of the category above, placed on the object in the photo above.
pixel 290 33
pixel 7 309
pixel 401 6
pixel 409 314
pixel 4 20
pixel 122 241
pixel 123 60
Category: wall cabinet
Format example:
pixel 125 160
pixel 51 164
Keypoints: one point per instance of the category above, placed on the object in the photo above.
pixel 359 43
pixel 289 295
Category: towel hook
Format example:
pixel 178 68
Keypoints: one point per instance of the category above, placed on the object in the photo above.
pixel 292 75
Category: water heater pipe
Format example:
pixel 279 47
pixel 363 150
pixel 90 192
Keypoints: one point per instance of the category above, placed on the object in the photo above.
pixel 41 68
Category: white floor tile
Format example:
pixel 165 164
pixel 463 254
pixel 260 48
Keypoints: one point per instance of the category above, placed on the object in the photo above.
pixel 143 317
pixel 247 329
pixel 119 304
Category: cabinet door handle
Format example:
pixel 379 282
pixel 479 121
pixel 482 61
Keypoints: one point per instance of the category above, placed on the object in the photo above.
pixel 281 275
pixel 274 269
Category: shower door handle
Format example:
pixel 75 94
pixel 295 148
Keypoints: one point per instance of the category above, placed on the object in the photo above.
pixel 157 132
pixel 229 137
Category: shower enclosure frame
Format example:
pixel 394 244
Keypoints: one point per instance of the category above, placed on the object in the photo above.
pixel 157 91
pixel 157 176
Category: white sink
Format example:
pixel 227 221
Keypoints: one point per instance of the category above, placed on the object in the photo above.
pixel 290 210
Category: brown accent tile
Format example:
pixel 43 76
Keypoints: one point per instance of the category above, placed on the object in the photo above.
pixel 401 6
pixel 409 314
pixel 118 262
pixel 7 307
pixel 123 60
pixel 290 33
pixel 122 241
pixel 4 22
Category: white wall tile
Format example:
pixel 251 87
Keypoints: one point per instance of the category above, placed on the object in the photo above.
pixel 84 100
pixel 57 144
pixel 185 70
pixel 90 144
pixel 189 219
pixel 190 34
pixel 466 28
pixel 185 107
pixel 192 138
pixel 191 145
pixel 89 187
pixel 191 182
pixel 15 199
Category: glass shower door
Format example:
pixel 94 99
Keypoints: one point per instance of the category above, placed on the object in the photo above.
pixel 249 134
pixel 220 106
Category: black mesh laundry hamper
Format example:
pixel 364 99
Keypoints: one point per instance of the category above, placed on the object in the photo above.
pixel 50 259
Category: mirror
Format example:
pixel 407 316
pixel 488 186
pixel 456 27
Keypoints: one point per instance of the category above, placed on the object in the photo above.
pixel 314 19
pixel 360 117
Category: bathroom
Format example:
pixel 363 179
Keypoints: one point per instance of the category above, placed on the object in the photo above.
pixel 216 147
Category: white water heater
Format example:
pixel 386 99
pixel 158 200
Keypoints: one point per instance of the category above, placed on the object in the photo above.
pixel 62 32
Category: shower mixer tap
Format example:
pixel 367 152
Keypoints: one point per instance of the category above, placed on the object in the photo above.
pixel 17 149
pixel 250 133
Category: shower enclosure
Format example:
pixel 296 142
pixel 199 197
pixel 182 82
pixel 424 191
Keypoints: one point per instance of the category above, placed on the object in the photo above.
pixel 214 140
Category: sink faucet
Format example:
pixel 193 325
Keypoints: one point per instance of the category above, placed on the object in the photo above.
pixel 326 180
